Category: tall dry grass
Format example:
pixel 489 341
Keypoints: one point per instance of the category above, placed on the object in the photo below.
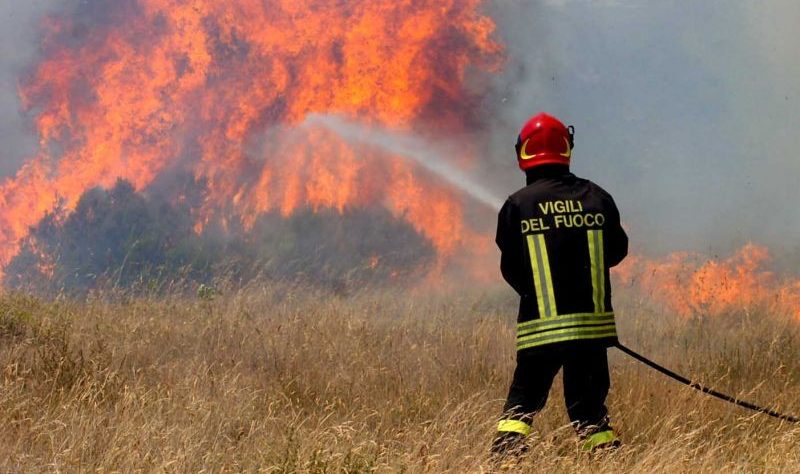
pixel 286 379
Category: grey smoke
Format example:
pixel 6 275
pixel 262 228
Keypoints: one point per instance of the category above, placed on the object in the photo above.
pixel 18 49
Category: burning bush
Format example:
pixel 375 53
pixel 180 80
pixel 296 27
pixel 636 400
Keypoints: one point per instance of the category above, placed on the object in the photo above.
pixel 121 238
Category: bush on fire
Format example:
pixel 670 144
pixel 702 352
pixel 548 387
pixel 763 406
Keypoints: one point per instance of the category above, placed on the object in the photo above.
pixel 119 238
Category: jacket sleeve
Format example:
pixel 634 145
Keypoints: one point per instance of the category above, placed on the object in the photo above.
pixel 617 243
pixel 510 243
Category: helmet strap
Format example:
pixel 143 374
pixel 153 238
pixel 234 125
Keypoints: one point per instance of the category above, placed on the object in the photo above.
pixel 571 131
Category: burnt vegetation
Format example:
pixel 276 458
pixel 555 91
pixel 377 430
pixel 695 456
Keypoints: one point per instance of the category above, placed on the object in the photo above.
pixel 147 242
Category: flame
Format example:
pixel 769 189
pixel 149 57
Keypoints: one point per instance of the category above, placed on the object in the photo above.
pixel 690 284
pixel 160 85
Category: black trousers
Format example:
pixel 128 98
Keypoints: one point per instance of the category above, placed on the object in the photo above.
pixel 586 384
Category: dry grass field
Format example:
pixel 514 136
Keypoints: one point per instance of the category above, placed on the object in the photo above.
pixel 286 379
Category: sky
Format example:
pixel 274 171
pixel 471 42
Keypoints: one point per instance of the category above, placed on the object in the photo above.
pixel 685 111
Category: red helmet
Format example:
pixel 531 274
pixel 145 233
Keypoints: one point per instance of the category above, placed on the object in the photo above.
pixel 544 140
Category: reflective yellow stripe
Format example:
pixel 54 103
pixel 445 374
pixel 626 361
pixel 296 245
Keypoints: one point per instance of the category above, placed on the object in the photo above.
pixel 565 320
pixel 599 439
pixel 537 275
pixel 514 426
pixel 542 279
pixel 558 333
pixel 572 334
pixel 596 256
pixel 551 296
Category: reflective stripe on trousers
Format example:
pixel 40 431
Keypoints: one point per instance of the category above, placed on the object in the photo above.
pixel 597 440
pixel 514 426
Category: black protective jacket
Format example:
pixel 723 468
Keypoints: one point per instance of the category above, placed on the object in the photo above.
pixel 558 237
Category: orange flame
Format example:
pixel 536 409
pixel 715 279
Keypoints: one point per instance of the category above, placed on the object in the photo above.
pixel 690 284
pixel 164 84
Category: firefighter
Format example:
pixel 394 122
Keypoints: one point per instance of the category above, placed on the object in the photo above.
pixel 558 237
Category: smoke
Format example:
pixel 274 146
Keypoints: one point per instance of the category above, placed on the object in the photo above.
pixel 18 50
pixel 430 156
pixel 685 111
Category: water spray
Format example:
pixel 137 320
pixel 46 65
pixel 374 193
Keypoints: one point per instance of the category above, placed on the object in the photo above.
pixel 428 155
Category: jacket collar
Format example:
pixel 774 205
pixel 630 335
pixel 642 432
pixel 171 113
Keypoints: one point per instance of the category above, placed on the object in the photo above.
pixel 546 171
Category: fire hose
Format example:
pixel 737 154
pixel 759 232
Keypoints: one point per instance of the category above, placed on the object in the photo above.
pixel 704 389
